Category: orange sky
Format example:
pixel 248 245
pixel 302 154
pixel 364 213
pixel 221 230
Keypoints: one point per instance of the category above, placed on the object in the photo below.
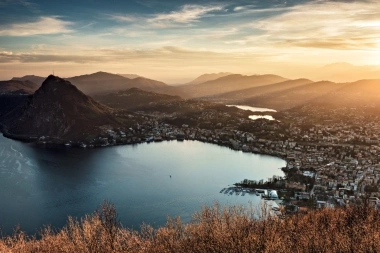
pixel 177 42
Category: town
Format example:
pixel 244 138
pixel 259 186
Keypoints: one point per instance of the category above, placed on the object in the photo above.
pixel 333 162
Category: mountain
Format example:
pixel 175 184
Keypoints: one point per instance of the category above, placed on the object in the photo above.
pixel 129 76
pixel 18 87
pixel 102 82
pixel 134 98
pixel 236 96
pixel 32 78
pixel 289 98
pixel 228 84
pixel 208 77
pixel 11 102
pixel 362 93
pixel 59 110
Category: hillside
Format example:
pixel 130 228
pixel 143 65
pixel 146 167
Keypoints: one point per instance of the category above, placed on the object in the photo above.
pixel 102 82
pixel 286 99
pixel 362 96
pixel 228 84
pixel 237 96
pixel 18 87
pixel 32 78
pixel 214 229
pixel 134 98
pixel 58 109
pixel 11 102
pixel 208 77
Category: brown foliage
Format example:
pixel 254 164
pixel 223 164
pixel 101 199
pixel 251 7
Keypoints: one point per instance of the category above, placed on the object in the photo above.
pixel 214 229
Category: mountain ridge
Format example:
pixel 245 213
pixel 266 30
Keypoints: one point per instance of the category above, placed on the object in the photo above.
pixel 58 109
pixel 208 77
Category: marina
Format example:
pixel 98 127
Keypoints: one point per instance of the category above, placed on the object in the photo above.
pixel 270 197
pixel 241 191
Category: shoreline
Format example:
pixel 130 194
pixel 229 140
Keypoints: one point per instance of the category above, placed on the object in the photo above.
pixel 35 140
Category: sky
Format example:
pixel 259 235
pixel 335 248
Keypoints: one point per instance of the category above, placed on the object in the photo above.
pixel 175 41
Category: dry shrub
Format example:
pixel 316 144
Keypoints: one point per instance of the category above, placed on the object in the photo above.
pixel 213 229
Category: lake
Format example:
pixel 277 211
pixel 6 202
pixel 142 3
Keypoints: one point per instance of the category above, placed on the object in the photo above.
pixel 252 109
pixel 256 109
pixel 255 117
pixel 43 186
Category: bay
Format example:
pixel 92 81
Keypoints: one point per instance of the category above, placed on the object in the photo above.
pixel 146 182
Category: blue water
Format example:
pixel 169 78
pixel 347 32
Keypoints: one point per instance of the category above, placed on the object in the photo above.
pixel 43 186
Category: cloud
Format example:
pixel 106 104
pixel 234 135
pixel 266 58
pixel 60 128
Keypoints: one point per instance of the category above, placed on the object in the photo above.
pixel 122 18
pixel 349 25
pixel 187 14
pixel 6 53
pixel 111 55
pixel 17 2
pixel 245 7
pixel 44 25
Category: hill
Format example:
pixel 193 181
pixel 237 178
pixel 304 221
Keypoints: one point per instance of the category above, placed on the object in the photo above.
pixel 228 84
pixel 102 82
pixel 208 77
pixel 237 96
pixel 32 78
pixel 18 87
pixel 134 98
pixel 59 110
pixel 363 96
pixel 289 98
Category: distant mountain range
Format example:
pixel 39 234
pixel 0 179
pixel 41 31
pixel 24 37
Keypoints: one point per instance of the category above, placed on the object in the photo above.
pixel 18 87
pixel 292 97
pixel 228 83
pixel 102 82
pixel 239 95
pixel 134 98
pixel 270 91
pixel 58 110
pixel 209 77
pixel 32 78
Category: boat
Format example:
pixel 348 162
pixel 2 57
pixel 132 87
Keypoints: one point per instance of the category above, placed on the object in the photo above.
pixel 222 190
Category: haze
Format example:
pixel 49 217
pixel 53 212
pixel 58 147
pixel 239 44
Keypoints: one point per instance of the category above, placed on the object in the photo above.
pixel 175 41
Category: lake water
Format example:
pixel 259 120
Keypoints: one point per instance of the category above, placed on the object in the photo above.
pixel 252 109
pixel 255 117
pixel 43 186
pixel 256 109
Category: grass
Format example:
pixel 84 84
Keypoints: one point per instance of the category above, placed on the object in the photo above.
pixel 214 229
